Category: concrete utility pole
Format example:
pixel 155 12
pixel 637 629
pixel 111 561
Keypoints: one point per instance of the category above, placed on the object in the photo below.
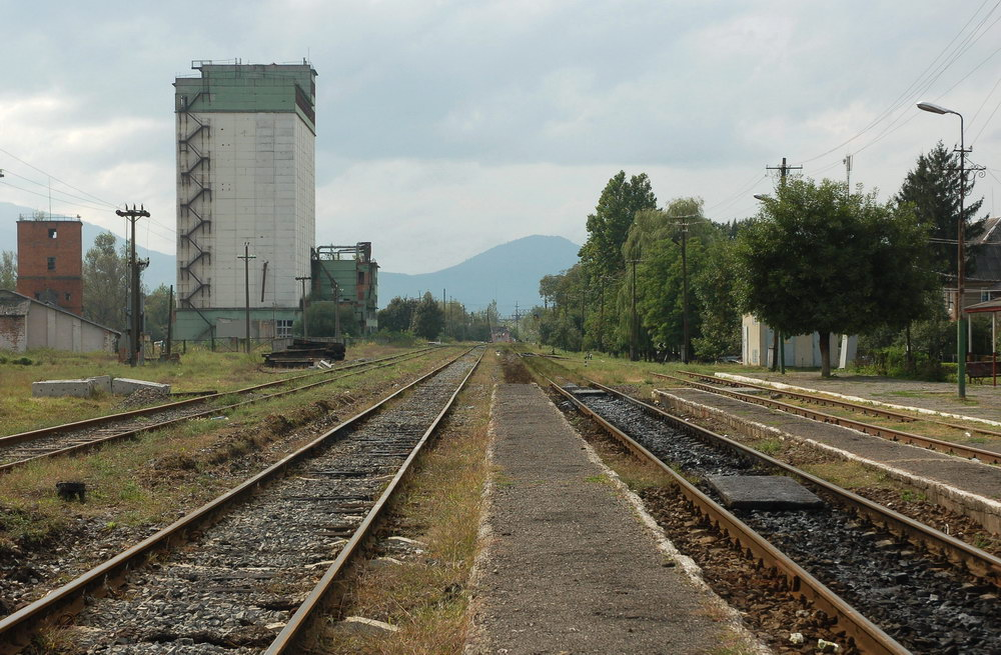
pixel 135 338
pixel 302 281
pixel 246 257
pixel 779 344
pixel 633 337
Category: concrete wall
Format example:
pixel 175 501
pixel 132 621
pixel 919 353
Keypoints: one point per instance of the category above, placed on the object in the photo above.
pixel 262 181
pixel 800 351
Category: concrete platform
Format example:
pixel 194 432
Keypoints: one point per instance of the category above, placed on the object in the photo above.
pixel 102 383
pixel 965 486
pixel 57 388
pixel 764 492
pixel 125 386
pixel 570 568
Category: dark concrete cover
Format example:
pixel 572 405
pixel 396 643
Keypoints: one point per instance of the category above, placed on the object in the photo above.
pixel 766 492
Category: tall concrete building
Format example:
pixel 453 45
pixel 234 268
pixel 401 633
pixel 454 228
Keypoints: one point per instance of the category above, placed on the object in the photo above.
pixel 245 183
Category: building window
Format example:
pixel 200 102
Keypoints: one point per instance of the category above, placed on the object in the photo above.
pixel 52 233
pixel 361 277
pixel 67 297
pixel 985 296
pixel 52 263
pixel 283 328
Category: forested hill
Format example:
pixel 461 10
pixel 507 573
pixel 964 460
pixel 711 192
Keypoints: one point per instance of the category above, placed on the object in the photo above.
pixel 508 273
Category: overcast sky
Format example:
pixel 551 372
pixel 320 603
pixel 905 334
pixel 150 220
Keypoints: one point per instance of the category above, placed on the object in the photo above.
pixel 447 127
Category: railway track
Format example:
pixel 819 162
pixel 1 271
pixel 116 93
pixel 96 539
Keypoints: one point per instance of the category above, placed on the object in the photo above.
pixel 247 572
pixel 19 449
pixel 895 585
pixel 892 434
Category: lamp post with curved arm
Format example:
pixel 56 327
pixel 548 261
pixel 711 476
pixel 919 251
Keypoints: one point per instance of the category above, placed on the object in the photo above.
pixel 960 263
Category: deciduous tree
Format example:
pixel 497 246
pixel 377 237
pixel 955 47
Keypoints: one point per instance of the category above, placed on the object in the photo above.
pixel 105 282
pixel 8 269
pixel 819 259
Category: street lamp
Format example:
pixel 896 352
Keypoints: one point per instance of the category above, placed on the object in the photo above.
pixel 960 318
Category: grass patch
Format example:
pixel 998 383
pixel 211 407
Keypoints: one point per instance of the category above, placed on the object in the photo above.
pixel 769 446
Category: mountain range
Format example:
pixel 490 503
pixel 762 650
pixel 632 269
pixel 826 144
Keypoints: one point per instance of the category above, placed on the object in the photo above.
pixel 508 274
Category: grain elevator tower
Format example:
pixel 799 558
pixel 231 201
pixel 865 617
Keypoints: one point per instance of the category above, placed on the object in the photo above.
pixel 245 175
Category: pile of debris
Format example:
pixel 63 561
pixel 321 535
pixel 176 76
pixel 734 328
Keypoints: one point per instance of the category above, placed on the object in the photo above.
pixel 305 353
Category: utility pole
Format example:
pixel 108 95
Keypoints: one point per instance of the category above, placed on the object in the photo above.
pixel 779 344
pixel 684 290
pixel 246 257
pixel 170 319
pixel 302 282
pixel 633 337
pixel 135 338
pixel 847 161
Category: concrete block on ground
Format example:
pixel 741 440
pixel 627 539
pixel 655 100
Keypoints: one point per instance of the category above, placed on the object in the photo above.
pixel 102 383
pixel 764 492
pixel 359 625
pixel 125 386
pixel 56 388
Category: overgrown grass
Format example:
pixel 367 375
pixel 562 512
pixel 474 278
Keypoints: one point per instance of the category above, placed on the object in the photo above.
pixel 149 480
pixel 198 370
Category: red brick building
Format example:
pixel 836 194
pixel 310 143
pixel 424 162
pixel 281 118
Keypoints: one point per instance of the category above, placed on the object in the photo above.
pixel 50 261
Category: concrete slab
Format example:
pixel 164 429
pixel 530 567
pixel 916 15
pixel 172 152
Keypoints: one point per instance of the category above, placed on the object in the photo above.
pixel 102 383
pixel 584 391
pixel 56 388
pixel 124 386
pixel 764 492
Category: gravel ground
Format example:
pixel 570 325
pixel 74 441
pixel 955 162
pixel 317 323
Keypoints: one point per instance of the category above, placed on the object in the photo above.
pixel 235 585
pixel 570 568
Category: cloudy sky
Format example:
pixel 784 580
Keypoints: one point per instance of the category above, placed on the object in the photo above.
pixel 446 127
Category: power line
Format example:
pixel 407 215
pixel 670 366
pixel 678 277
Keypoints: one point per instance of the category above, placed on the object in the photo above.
pixel 100 200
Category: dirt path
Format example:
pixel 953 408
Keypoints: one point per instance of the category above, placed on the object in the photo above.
pixel 570 568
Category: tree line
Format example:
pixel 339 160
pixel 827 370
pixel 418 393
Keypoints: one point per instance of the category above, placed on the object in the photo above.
pixel 433 319
pixel 666 282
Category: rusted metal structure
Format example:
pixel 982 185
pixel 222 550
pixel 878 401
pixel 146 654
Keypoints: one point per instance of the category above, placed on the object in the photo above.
pixel 350 276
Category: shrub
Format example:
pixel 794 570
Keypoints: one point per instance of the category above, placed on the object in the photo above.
pixel 892 362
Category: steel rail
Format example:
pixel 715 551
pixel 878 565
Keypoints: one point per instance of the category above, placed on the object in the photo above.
pixel 17 628
pixel 866 635
pixel 978 562
pixel 947 447
pixel 869 410
pixel 818 400
pixel 13 439
pixel 293 630
pixel 127 434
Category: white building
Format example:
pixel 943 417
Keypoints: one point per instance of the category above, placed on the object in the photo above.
pixel 802 351
pixel 245 182
pixel 26 324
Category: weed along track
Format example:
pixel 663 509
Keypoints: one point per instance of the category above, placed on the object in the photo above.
pixel 18 449
pixel 884 582
pixel 244 573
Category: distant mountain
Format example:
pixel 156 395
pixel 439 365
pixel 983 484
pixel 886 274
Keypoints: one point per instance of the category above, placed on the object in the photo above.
pixel 508 273
pixel 161 266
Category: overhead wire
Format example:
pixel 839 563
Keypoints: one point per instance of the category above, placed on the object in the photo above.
pixel 928 76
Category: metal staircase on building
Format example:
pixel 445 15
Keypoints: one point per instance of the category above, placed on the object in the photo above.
pixel 196 192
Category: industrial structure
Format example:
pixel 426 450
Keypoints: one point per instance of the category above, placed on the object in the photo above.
pixel 27 324
pixel 50 260
pixel 245 197
pixel 349 275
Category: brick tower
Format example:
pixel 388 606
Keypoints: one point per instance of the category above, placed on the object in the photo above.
pixel 50 261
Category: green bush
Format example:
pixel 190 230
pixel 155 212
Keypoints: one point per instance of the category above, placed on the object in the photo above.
pixel 892 362
pixel 392 338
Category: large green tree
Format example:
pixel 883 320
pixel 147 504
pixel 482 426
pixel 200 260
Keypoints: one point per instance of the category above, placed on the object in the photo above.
pixel 157 310
pixel 398 314
pixel 933 189
pixel 428 319
pixel 822 260
pixel 608 226
pixel 105 282
pixel 8 270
